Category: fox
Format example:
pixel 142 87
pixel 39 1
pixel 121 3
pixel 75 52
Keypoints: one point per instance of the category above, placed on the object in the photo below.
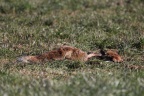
pixel 112 55
pixel 63 52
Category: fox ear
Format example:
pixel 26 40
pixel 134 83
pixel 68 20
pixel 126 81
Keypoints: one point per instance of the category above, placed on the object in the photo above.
pixel 60 50
pixel 103 52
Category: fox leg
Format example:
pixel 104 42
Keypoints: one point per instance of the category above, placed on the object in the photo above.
pixel 93 55
pixel 117 59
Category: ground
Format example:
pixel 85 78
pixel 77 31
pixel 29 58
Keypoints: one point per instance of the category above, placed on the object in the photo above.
pixel 30 27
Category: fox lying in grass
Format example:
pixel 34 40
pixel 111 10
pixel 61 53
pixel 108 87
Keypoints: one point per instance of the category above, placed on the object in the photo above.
pixel 72 53
pixel 64 52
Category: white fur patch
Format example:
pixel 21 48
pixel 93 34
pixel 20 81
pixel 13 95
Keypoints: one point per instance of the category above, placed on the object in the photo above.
pixel 23 59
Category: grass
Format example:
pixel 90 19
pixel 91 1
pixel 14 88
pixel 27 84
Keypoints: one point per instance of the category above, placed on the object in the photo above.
pixel 29 27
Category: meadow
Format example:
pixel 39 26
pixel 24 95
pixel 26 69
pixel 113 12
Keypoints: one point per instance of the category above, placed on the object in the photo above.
pixel 30 27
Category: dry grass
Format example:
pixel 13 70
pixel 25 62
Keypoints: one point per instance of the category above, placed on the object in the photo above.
pixel 29 27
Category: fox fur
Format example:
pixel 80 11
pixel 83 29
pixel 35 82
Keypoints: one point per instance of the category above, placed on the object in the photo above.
pixel 112 54
pixel 64 52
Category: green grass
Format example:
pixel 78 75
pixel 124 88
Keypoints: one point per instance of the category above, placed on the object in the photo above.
pixel 29 27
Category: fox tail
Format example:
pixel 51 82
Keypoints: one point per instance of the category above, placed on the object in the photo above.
pixel 27 59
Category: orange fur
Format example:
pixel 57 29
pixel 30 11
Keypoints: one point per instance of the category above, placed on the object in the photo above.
pixel 64 52
pixel 114 55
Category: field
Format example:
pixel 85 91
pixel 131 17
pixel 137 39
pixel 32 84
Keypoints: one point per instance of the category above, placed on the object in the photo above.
pixel 30 27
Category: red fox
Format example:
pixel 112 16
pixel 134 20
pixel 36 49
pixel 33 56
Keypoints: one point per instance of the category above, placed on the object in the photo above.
pixel 64 52
pixel 112 54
